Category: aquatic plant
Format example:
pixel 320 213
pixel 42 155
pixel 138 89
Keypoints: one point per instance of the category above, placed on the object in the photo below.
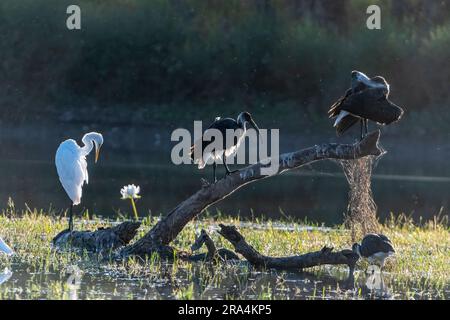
pixel 131 192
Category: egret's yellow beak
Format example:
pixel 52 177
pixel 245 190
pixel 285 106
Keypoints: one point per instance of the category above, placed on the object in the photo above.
pixel 97 152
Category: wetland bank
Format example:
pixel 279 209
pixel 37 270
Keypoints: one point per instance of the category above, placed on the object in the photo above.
pixel 418 271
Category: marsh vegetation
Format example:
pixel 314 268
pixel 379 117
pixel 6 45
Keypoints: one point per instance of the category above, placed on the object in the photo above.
pixel 418 271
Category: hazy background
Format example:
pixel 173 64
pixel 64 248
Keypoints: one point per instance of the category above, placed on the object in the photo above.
pixel 139 69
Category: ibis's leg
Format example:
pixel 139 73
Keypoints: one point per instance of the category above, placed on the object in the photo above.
pixel 226 166
pixel 71 217
pixel 214 170
pixel 366 126
pixel 362 125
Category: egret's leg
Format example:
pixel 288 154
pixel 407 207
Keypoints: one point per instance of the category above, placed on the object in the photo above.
pixel 71 217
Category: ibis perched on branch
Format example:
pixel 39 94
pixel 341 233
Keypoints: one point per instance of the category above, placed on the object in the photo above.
pixel 226 150
pixel 71 166
pixel 367 99
pixel 375 248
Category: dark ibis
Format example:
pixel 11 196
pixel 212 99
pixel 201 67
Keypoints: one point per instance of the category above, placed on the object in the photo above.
pixel 375 248
pixel 224 152
pixel 367 99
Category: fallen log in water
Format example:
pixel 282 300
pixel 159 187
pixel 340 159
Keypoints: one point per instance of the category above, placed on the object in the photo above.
pixel 307 260
pixel 99 241
pixel 171 225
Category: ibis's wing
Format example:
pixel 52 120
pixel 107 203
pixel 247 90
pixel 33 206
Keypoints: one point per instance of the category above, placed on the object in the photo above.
pixel 387 243
pixel 354 102
pixel 372 104
pixel 71 168
pixel 219 124
pixel 223 124
pixel 217 119
pixel 200 144
pixel 336 107
pixel 346 123
pixel 382 236
pixel 4 248
pixel 373 243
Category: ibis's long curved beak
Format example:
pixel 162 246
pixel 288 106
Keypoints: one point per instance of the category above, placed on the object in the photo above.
pixel 97 152
pixel 253 124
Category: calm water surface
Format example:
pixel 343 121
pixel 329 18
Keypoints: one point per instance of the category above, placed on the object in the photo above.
pixel 413 177
pixel 202 282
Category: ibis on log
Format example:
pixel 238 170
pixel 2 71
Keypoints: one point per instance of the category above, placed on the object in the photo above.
pixel 367 99
pixel 226 150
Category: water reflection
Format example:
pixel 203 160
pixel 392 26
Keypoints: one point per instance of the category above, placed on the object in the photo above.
pixel 5 275
pixel 375 283
pixel 74 281
pixel 205 281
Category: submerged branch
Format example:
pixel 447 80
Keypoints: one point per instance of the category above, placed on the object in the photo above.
pixel 307 260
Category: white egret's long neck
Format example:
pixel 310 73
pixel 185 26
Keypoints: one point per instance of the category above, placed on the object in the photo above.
pixel 88 140
pixel 88 145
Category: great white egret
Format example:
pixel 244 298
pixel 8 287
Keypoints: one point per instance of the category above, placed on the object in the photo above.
pixel 71 165
pixel 4 248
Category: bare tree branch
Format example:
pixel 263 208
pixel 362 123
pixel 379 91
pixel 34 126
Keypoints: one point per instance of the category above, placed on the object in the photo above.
pixel 170 226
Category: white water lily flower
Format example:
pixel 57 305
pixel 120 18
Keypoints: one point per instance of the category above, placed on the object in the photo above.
pixel 130 192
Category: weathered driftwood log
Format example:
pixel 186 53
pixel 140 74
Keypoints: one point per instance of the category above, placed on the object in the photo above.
pixel 100 241
pixel 169 226
pixel 307 260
